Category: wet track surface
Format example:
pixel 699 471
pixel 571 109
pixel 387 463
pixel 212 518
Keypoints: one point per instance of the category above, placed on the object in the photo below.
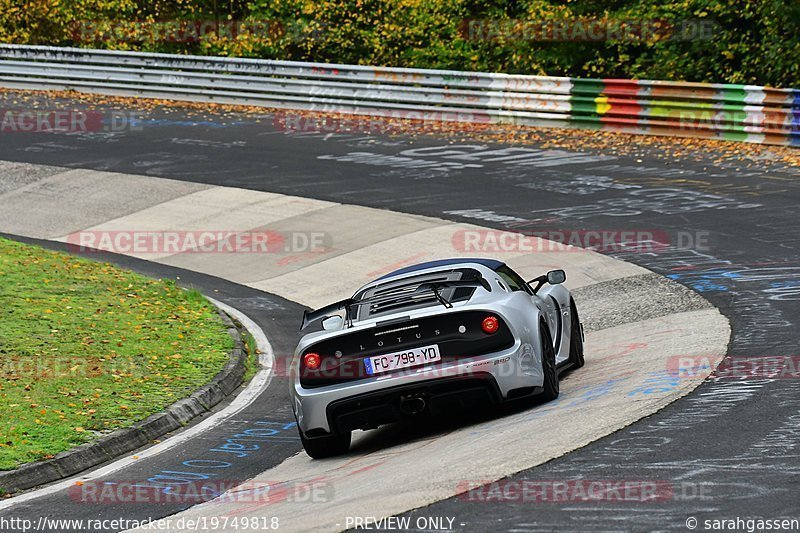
pixel 731 448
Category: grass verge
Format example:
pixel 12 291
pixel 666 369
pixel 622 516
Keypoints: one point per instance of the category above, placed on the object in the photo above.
pixel 87 348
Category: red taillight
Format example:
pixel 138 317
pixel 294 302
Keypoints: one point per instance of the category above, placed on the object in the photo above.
pixel 312 361
pixel 490 324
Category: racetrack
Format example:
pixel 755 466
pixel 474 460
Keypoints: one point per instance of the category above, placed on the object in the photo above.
pixel 629 346
pixel 498 190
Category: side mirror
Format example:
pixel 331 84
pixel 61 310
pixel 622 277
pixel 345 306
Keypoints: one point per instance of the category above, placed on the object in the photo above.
pixel 554 277
pixel 332 323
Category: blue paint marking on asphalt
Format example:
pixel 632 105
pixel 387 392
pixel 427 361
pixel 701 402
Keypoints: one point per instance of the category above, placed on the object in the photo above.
pixel 659 382
pixel 577 397
pixel 784 284
pixel 206 463
pixel 238 446
pixel 595 391
pixel 706 281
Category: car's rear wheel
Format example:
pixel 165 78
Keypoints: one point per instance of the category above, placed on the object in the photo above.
pixel 550 383
pixel 576 359
pixel 328 446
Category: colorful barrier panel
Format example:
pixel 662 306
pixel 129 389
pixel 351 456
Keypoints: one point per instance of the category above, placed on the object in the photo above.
pixel 746 113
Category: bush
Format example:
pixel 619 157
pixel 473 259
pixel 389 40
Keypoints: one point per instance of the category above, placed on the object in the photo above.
pixel 751 41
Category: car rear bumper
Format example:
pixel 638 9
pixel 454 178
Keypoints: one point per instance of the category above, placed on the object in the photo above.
pixel 437 396
pixel 369 403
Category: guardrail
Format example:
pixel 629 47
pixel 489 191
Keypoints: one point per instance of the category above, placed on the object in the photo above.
pixel 730 112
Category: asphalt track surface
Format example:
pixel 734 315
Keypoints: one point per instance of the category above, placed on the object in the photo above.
pixel 730 449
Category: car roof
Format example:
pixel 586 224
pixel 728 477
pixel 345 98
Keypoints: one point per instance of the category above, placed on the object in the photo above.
pixel 494 264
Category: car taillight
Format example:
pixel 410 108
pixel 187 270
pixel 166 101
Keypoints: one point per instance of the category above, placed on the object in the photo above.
pixel 490 324
pixel 312 361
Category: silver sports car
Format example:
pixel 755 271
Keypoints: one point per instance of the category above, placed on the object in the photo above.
pixel 431 338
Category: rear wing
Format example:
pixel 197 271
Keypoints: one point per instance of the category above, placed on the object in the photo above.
pixel 323 312
pixel 346 305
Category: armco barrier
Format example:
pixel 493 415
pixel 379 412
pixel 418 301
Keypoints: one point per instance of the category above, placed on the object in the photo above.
pixel 730 112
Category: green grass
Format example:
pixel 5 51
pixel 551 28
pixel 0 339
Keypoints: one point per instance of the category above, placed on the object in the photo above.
pixel 251 363
pixel 86 348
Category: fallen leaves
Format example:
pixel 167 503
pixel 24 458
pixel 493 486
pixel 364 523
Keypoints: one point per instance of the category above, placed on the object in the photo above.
pixel 665 148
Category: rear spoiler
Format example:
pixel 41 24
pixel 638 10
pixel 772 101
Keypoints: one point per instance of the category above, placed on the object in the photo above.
pixel 313 316
pixel 345 305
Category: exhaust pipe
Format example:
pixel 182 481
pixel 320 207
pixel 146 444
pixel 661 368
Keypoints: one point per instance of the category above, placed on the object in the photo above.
pixel 413 405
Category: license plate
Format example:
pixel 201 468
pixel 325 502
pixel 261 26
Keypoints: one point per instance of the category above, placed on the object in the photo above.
pixel 405 359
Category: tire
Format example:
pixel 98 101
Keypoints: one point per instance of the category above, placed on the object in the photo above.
pixel 550 383
pixel 576 359
pixel 328 446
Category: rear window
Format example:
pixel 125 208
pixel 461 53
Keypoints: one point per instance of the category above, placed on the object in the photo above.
pixel 400 295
